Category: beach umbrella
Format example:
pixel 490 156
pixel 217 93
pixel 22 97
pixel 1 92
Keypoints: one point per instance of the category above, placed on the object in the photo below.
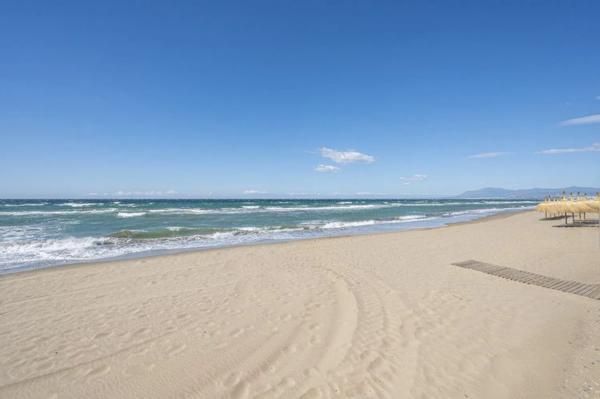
pixel 566 206
pixel 570 206
pixel 594 204
pixel 586 206
pixel 543 207
pixel 579 206
pixel 558 205
pixel 550 206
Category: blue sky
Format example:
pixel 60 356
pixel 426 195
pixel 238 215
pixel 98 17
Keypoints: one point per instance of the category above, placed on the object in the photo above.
pixel 282 98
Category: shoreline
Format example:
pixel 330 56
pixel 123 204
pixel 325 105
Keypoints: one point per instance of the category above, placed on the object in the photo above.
pixel 174 252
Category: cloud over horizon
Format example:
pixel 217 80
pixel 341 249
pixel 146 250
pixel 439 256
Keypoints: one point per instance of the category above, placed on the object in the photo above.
pixel 595 147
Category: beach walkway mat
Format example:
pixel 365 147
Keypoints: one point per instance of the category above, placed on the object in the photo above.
pixel 571 287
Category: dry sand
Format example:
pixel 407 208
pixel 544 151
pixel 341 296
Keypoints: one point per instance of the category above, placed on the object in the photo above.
pixel 375 316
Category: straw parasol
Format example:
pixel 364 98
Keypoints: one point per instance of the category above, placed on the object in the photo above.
pixel 586 206
pixel 544 207
pixel 569 205
pixel 550 206
pixel 572 205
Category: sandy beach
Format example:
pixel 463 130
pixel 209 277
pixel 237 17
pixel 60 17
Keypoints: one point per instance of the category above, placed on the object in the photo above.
pixel 373 316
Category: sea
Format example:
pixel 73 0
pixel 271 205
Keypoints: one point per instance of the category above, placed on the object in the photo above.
pixel 45 233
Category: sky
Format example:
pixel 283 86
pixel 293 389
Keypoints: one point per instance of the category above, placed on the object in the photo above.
pixel 291 99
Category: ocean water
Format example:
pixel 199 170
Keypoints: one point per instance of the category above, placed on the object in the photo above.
pixel 43 233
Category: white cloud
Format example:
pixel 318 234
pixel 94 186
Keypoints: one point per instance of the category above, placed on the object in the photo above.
pixel 251 192
pixel 595 147
pixel 584 120
pixel 597 97
pixel 413 179
pixel 349 156
pixel 327 168
pixel 488 155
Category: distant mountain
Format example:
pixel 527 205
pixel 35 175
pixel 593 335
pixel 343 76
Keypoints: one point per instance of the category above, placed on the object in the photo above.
pixel 531 193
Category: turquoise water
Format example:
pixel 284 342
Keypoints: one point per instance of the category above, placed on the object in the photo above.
pixel 42 233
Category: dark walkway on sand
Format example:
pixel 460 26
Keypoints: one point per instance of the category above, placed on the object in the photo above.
pixel 571 287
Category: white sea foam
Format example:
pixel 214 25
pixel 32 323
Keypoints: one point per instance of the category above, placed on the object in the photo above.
pixel 51 213
pixel 361 223
pixel 80 204
pixel 24 232
pixel 510 202
pixel 130 214
pixel 340 225
pixel 250 229
pixel 221 235
pixel 27 204
pixel 48 250
pixel 183 211
pixel 255 209
pixel 463 203
pixel 305 208
pixel 268 230
pixel 323 208
pixel 486 210
pixel 411 217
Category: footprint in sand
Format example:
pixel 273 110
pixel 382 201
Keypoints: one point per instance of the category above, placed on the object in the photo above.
pixel 45 365
pixel 102 335
pixel 289 349
pixel 270 368
pixel 237 332
pixel 233 379
pixel 140 332
pixel 175 349
pixel 97 372
pixel 241 391
pixel 313 393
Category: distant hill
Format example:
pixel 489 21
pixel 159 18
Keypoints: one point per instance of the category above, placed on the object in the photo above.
pixel 531 193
